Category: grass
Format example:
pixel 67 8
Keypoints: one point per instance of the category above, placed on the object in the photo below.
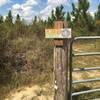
pixel 30 61
pixel 36 65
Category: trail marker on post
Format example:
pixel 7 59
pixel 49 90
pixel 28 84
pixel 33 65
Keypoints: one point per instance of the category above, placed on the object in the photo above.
pixel 60 34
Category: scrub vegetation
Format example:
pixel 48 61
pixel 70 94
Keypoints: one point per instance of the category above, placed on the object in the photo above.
pixel 26 57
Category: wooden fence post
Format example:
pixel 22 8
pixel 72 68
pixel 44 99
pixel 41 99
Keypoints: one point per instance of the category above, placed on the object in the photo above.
pixel 60 65
pixel 60 34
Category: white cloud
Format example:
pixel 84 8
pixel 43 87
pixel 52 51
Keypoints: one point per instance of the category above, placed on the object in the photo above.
pixel 57 2
pixel 30 3
pixel 46 12
pixel 16 6
pixel 25 10
pixel 92 13
pixel 52 4
pixel 3 2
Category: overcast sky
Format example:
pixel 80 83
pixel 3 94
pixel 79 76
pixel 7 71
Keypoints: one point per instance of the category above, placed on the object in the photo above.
pixel 29 8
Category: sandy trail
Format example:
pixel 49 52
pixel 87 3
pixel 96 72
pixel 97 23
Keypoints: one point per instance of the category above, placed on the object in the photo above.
pixel 32 93
pixel 45 92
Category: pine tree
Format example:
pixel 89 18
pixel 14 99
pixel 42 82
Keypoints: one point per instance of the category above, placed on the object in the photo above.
pixel 97 15
pixel 9 19
pixel 53 15
pixel 9 27
pixel 2 31
pixel 82 17
pixel 75 13
pixel 68 19
pixel 80 11
pixel 59 13
pixel 1 19
pixel 35 19
pixel 18 19
pixel 18 25
pixel 50 22
pixel 83 8
pixel 2 44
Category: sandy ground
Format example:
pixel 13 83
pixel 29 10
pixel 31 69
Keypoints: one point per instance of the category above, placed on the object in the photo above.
pixel 45 92
pixel 32 93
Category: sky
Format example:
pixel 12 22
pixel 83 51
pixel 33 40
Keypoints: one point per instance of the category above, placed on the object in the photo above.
pixel 27 9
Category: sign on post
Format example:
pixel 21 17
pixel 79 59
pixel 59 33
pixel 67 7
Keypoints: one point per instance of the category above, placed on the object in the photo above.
pixel 58 33
pixel 61 35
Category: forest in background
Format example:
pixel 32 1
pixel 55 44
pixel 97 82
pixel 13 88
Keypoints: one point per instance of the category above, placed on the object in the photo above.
pixel 26 56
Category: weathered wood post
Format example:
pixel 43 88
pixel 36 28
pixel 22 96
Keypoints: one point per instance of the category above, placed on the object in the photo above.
pixel 60 35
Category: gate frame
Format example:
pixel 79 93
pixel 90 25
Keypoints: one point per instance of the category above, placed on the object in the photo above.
pixel 82 69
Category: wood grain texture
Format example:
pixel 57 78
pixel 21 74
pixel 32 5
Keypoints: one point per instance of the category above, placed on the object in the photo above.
pixel 60 72
pixel 61 65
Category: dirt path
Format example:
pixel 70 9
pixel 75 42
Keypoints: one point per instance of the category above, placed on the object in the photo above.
pixel 32 93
